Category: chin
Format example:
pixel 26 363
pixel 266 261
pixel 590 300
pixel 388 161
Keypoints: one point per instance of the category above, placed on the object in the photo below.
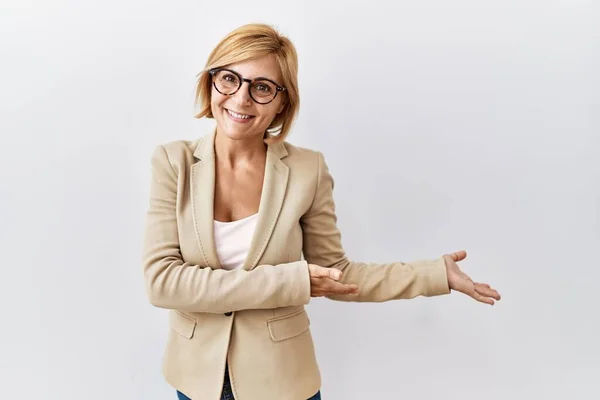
pixel 236 131
pixel 235 134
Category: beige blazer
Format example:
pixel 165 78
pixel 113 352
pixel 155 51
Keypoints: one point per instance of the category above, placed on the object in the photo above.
pixel 253 318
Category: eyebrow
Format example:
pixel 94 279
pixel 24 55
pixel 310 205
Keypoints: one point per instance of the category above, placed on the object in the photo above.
pixel 257 78
pixel 262 77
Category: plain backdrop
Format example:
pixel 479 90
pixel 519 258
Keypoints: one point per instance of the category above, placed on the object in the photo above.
pixel 466 125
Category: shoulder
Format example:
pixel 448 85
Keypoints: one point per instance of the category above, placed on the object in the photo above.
pixel 304 157
pixel 177 153
pixel 179 149
pixel 307 162
pixel 181 146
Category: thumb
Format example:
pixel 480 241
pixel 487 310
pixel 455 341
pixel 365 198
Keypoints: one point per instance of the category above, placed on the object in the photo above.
pixel 321 272
pixel 334 273
pixel 458 255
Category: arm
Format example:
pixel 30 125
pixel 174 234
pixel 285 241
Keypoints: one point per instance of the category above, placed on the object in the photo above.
pixel 174 284
pixel 376 282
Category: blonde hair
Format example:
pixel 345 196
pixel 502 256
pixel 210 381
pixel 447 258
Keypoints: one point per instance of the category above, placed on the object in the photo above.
pixel 245 43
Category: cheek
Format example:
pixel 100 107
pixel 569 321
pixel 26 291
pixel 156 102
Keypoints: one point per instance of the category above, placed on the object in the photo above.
pixel 216 99
pixel 266 116
pixel 278 106
pixel 216 103
pixel 274 110
pixel 270 110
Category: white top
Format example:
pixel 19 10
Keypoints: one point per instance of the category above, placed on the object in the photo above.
pixel 232 240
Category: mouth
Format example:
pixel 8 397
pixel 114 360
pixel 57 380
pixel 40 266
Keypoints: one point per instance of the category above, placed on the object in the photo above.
pixel 239 117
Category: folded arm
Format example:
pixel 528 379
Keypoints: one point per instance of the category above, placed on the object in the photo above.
pixel 174 284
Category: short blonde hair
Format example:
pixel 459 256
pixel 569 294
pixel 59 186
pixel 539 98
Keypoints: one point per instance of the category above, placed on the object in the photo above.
pixel 245 43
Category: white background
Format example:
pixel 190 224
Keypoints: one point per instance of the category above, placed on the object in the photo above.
pixel 466 125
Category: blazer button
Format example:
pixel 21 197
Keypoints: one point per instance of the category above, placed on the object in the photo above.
pixel 228 313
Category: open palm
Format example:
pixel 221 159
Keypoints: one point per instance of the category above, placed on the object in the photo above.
pixel 459 281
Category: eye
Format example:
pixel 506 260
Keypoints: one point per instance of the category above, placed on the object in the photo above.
pixel 264 88
pixel 230 78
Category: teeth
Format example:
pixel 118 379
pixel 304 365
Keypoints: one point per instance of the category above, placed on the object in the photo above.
pixel 236 115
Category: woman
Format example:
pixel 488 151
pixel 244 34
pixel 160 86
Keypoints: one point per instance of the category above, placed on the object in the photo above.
pixel 230 217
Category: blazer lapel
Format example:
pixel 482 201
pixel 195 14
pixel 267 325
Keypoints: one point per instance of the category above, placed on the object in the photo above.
pixel 273 192
pixel 203 195
pixel 203 192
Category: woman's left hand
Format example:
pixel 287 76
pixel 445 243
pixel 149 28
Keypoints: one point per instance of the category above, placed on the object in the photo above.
pixel 459 281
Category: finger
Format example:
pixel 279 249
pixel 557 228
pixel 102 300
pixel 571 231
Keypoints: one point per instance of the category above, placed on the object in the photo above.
pixel 459 255
pixel 332 273
pixel 482 299
pixel 326 285
pixel 486 290
pixel 317 289
pixel 340 288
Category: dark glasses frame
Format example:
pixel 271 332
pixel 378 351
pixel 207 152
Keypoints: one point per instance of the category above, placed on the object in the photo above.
pixel 241 79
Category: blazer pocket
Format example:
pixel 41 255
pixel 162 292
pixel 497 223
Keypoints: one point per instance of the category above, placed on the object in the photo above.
pixel 288 326
pixel 182 324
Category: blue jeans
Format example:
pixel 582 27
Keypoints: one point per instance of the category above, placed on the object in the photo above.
pixel 182 396
pixel 227 393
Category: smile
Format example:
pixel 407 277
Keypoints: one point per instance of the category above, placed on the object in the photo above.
pixel 238 116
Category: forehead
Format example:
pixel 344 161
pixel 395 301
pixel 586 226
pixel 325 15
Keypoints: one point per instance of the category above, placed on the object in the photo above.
pixel 263 67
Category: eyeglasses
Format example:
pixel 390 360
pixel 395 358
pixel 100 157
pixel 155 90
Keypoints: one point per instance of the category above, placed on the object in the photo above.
pixel 228 82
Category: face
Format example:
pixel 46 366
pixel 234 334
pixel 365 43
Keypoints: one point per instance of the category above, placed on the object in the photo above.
pixel 260 115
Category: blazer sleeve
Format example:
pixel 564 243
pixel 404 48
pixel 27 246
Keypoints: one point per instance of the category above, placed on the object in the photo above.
pixel 376 282
pixel 175 284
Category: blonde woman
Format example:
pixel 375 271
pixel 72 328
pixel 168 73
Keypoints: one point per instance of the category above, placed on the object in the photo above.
pixel 241 233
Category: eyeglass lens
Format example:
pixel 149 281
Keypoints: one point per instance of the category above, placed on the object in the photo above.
pixel 262 91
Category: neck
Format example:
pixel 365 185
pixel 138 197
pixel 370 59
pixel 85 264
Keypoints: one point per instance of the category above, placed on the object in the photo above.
pixel 234 153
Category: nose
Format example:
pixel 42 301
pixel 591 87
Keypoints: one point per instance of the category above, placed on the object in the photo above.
pixel 242 96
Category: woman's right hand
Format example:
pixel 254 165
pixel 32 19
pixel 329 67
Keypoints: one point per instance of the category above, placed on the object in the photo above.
pixel 323 282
